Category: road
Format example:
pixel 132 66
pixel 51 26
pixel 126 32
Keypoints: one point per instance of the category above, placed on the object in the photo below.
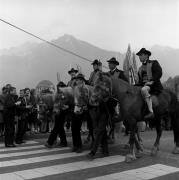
pixel 33 161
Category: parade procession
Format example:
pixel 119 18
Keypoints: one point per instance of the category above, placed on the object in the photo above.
pixel 72 111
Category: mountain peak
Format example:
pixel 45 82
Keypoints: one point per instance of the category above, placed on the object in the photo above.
pixel 68 38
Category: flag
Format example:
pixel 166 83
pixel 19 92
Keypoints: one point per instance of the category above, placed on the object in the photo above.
pixel 130 66
pixel 126 63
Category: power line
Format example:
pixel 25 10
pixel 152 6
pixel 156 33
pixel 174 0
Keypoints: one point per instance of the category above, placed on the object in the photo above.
pixel 48 42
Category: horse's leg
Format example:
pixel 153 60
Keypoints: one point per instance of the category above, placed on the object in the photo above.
pixel 138 145
pixel 111 134
pixel 131 156
pixel 155 148
pixel 140 141
pixel 175 126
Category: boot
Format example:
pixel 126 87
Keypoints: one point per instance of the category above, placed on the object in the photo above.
pixel 150 115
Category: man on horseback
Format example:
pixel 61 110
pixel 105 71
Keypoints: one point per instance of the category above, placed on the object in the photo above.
pixel 72 72
pixel 96 66
pixel 149 77
pixel 114 71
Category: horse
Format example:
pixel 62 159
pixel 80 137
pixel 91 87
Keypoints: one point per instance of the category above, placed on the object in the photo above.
pixel 63 99
pixel 132 108
pixel 82 96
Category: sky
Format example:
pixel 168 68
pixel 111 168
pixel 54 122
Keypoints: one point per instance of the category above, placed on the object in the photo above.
pixel 108 24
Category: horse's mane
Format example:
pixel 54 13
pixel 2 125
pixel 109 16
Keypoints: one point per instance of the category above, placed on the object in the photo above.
pixel 110 81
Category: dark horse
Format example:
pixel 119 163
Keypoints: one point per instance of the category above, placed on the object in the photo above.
pixel 132 108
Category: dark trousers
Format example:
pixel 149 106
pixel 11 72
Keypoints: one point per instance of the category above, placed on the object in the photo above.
pixel 87 117
pixel 76 128
pixel 9 124
pixel 100 121
pixel 21 129
pixel 58 129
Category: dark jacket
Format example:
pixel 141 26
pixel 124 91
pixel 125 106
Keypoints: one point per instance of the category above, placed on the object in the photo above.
pixel 118 74
pixel 9 105
pixel 72 82
pixel 93 77
pixel 21 109
pixel 154 74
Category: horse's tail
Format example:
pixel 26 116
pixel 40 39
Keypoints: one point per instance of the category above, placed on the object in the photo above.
pixel 174 115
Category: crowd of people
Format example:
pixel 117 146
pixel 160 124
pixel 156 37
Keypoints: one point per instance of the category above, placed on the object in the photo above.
pixel 21 113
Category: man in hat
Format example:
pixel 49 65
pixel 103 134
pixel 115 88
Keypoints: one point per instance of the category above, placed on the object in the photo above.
pixel 72 72
pixel 80 79
pixel 77 120
pixel 149 73
pixel 114 71
pixel 9 117
pixel 96 67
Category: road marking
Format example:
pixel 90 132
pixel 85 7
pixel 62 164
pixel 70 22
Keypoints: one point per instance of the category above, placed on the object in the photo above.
pixel 63 168
pixel 33 152
pixel 28 142
pixel 39 159
pixel 20 148
pixel 148 172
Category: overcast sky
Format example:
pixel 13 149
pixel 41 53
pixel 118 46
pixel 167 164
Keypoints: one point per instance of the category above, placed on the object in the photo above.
pixel 109 24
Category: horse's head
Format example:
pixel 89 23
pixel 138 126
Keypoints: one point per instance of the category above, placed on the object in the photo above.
pixel 102 89
pixel 81 98
pixel 63 99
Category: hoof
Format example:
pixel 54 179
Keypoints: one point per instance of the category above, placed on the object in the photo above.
pixel 176 150
pixel 154 151
pixel 130 158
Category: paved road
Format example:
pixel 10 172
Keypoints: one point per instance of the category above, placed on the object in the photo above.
pixel 33 161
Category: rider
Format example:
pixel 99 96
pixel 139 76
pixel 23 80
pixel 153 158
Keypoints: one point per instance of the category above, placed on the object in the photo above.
pixel 114 71
pixel 97 68
pixel 149 73
pixel 72 72
pixel 80 79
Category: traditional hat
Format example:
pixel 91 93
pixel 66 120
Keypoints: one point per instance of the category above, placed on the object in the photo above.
pixel 80 76
pixel 143 51
pixel 72 70
pixel 113 60
pixel 97 62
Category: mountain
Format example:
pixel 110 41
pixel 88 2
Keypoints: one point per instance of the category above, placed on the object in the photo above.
pixel 168 58
pixel 27 65
pixel 30 63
